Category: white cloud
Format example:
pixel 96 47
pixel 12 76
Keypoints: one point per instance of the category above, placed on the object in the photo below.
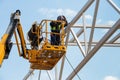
pixel 104 31
pixel 88 17
pixel 111 78
pixel 47 12
pixel 50 13
pixel 111 22
pixel 70 12
pixel 99 21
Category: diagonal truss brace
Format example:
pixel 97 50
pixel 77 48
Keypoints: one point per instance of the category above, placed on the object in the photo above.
pixel 114 6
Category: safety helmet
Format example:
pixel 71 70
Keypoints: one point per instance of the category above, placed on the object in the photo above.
pixel 61 17
pixel 18 11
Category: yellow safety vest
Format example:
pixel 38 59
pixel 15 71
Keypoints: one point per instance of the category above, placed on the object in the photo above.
pixel 53 28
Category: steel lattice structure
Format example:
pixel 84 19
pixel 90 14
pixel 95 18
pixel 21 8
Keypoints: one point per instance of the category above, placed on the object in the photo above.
pixel 88 47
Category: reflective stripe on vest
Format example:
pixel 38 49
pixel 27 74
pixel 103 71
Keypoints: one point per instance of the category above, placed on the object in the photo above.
pixel 53 28
pixel 59 27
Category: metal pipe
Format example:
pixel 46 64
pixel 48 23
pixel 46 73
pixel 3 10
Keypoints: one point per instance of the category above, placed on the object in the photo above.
pixel 77 34
pixel 93 25
pixel 116 44
pixel 39 75
pixel 85 7
pixel 49 75
pixel 85 40
pixel 78 43
pixel 56 73
pixel 115 38
pixel 114 6
pixel 102 26
pixel 28 74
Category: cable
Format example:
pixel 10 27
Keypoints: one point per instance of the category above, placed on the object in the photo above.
pixel 48 75
pixel 39 75
pixel 73 68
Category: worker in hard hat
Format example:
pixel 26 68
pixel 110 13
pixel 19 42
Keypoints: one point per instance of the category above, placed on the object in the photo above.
pixel 55 28
pixel 33 36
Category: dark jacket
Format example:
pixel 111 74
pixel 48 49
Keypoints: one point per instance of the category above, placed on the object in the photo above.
pixel 56 26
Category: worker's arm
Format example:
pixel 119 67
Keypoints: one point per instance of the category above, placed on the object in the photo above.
pixel 5 43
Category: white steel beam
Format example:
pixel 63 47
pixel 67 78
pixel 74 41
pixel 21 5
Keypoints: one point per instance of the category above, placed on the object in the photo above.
pixel 78 43
pixel 102 26
pixel 95 49
pixel 87 26
pixel 56 72
pixel 28 74
pixel 93 25
pixel 49 75
pixel 115 38
pixel 114 6
pixel 85 7
pixel 85 39
pixel 77 34
pixel 39 75
pixel 116 44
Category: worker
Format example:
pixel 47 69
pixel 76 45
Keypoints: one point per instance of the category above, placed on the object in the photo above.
pixel 15 15
pixel 55 29
pixel 33 36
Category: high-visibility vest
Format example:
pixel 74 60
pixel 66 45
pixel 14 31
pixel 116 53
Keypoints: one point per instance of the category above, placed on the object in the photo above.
pixel 53 28
pixel 56 28
pixel 59 27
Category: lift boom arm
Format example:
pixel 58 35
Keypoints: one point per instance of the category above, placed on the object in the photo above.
pixel 5 43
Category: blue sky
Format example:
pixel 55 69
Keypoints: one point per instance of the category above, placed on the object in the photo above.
pixel 103 66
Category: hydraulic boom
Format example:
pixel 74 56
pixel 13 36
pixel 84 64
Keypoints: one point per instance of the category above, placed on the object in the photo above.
pixel 5 43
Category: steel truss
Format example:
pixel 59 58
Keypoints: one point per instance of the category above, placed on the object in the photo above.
pixel 90 46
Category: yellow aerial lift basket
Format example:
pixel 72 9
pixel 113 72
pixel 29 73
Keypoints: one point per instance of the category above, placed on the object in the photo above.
pixel 47 55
